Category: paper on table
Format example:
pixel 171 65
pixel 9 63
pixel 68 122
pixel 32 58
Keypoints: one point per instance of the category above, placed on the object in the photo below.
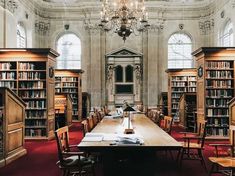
pixel 93 137
pixel 110 137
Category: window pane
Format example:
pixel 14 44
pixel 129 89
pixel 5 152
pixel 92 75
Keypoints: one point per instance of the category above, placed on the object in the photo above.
pixel 119 74
pixel 69 48
pixel 129 73
pixel 179 49
pixel 227 36
pixel 21 37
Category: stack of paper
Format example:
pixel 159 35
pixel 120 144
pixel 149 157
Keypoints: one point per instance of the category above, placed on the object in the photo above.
pixel 93 137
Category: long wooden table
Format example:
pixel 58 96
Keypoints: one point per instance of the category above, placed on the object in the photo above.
pixel 141 155
pixel 153 136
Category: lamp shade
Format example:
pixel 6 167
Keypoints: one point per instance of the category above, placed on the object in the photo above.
pixel 128 108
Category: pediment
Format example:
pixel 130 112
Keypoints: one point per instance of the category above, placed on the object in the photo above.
pixel 123 52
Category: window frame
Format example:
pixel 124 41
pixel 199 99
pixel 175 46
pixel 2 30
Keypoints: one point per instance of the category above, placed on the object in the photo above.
pixel 69 63
pixel 185 63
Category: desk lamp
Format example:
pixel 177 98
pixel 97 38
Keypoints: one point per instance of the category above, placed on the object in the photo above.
pixel 129 128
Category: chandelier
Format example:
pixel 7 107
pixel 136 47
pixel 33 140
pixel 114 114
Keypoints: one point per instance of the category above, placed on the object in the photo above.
pixel 124 17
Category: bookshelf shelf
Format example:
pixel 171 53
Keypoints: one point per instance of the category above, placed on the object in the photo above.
pixel 216 87
pixel 29 69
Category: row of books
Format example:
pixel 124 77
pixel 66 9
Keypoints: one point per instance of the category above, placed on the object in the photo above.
pixel 69 84
pixel 217 102
pixel 35 132
pixel 179 89
pixel 69 79
pixel 6 66
pixel 32 66
pixel 217 112
pixel 175 106
pixel 219 93
pixel 35 114
pixel 221 65
pixel 192 89
pixel 35 85
pixel 31 75
pixel 32 94
pixel 67 90
pixel 9 84
pixel 39 104
pixel 217 131
pixel 178 84
pixel 192 84
pixel 179 78
pixel 175 95
pixel 219 83
pixel 219 74
pixel 33 123
pixel 7 75
pixel 217 122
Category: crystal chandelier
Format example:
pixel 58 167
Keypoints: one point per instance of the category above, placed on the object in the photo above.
pixel 124 17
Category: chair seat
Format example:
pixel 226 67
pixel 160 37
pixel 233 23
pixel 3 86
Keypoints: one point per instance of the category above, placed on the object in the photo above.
pixel 73 161
pixel 191 145
pixel 223 161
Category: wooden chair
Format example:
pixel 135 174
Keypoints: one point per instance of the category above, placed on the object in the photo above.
pixel 224 159
pixel 85 127
pixel 193 145
pixel 71 162
pixel 90 123
pixel 167 124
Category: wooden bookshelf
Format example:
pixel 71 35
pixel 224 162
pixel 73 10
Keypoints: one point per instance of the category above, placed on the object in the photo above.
pixel 70 82
pixel 188 111
pixel 11 126
pixel 215 85
pixel 31 76
pixel 179 82
pixel 64 109
pixel 163 102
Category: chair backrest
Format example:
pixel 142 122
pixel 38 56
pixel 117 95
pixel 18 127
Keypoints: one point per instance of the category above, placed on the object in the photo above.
pixel 167 124
pixel 90 123
pixel 201 130
pixel 85 127
pixel 62 140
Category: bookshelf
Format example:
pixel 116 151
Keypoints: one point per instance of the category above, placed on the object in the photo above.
pixel 179 82
pixel 70 82
pixel 63 108
pixel 11 126
pixel 188 111
pixel 215 66
pixel 30 74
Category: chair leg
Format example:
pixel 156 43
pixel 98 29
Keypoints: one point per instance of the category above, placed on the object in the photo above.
pixel 212 169
pixel 202 158
pixel 181 157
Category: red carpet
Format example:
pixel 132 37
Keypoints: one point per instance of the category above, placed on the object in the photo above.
pixel 42 156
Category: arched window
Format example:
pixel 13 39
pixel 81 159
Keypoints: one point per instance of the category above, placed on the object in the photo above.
pixel 227 35
pixel 69 48
pixel 21 36
pixel 179 51
pixel 129 73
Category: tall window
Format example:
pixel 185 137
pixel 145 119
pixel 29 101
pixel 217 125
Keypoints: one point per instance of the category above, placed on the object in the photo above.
pixel 119 73
pixel 21 36
pixel 69 48
pixel 179 51
pixel 227 35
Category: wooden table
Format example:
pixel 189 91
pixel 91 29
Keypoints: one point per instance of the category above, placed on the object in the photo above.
pixel 154 139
